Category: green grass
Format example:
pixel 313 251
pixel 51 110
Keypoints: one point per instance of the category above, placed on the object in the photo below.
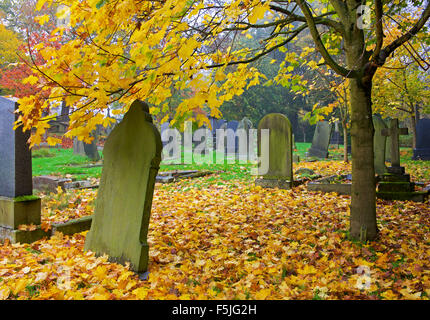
pixel 63 162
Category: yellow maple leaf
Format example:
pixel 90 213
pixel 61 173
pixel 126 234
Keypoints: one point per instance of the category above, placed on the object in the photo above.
pixel 140 293
pixel 262 294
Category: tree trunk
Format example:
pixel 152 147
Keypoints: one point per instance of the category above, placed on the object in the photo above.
pixel 363 195
pixel 345 142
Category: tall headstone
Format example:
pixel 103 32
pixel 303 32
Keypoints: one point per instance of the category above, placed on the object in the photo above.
pixel 379 143
pixel 15 155
pixel 277 164
pixel 422 150
pixel 120 224
pixel 321 140
pixel 17 205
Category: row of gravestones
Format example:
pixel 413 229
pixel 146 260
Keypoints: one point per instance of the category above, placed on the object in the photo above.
pixel 121 218
pixel 230 139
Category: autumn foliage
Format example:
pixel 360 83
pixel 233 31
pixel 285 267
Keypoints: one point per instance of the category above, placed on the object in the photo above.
pixel 215 239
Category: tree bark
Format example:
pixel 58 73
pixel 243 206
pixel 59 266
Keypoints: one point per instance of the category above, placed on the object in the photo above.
pixel 363 195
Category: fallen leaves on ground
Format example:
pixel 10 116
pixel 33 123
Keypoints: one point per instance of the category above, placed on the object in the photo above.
pixel 237 241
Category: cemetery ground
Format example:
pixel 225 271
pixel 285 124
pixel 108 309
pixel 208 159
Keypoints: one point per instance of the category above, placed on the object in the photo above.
pixel 221 237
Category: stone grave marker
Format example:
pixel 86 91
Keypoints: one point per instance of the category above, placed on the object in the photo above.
pixel 120 223
pixel 379 143
pixel 87 150
pixel 396 184
pixel 422 150
pixel 321 140
pixel 279 172
pixel 231 140
pixel 18 206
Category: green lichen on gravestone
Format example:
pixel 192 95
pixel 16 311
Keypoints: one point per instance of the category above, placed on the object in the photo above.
pixel 132 156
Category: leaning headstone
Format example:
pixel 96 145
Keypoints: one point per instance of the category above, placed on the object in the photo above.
pixel 422 150
pixel 379 142
pixel 18 206
pixel 321 140
pixel 277 169
pixel 120 224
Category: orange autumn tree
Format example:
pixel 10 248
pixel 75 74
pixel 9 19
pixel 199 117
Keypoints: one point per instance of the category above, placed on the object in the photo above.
pixel 132 49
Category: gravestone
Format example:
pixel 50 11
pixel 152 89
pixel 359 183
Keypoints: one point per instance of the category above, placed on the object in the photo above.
pixel 379 143
pixel 84 149
pixel 215 125
pixel 231 142
pixel 15 155
pixel 163 128
pixel 321 140
pixel 277 169
pixel 120 223
pixel 336 138
pixel 18 206
pixel 422 150
pixel 396 184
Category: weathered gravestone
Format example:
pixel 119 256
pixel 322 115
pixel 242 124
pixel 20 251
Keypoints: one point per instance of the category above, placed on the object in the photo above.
pixel 86 149
pixel 276 168
pixel 120 224
pixel 17 204
pixel 321 140
pixel 396 184
pixel 422 150
pixel 379 143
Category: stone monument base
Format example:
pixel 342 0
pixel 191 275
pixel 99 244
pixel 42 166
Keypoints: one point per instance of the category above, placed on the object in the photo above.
pixel 396 185
pixel 21 210
pixel 274 183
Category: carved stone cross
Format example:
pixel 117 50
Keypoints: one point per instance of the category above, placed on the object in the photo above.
pixel 394 132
